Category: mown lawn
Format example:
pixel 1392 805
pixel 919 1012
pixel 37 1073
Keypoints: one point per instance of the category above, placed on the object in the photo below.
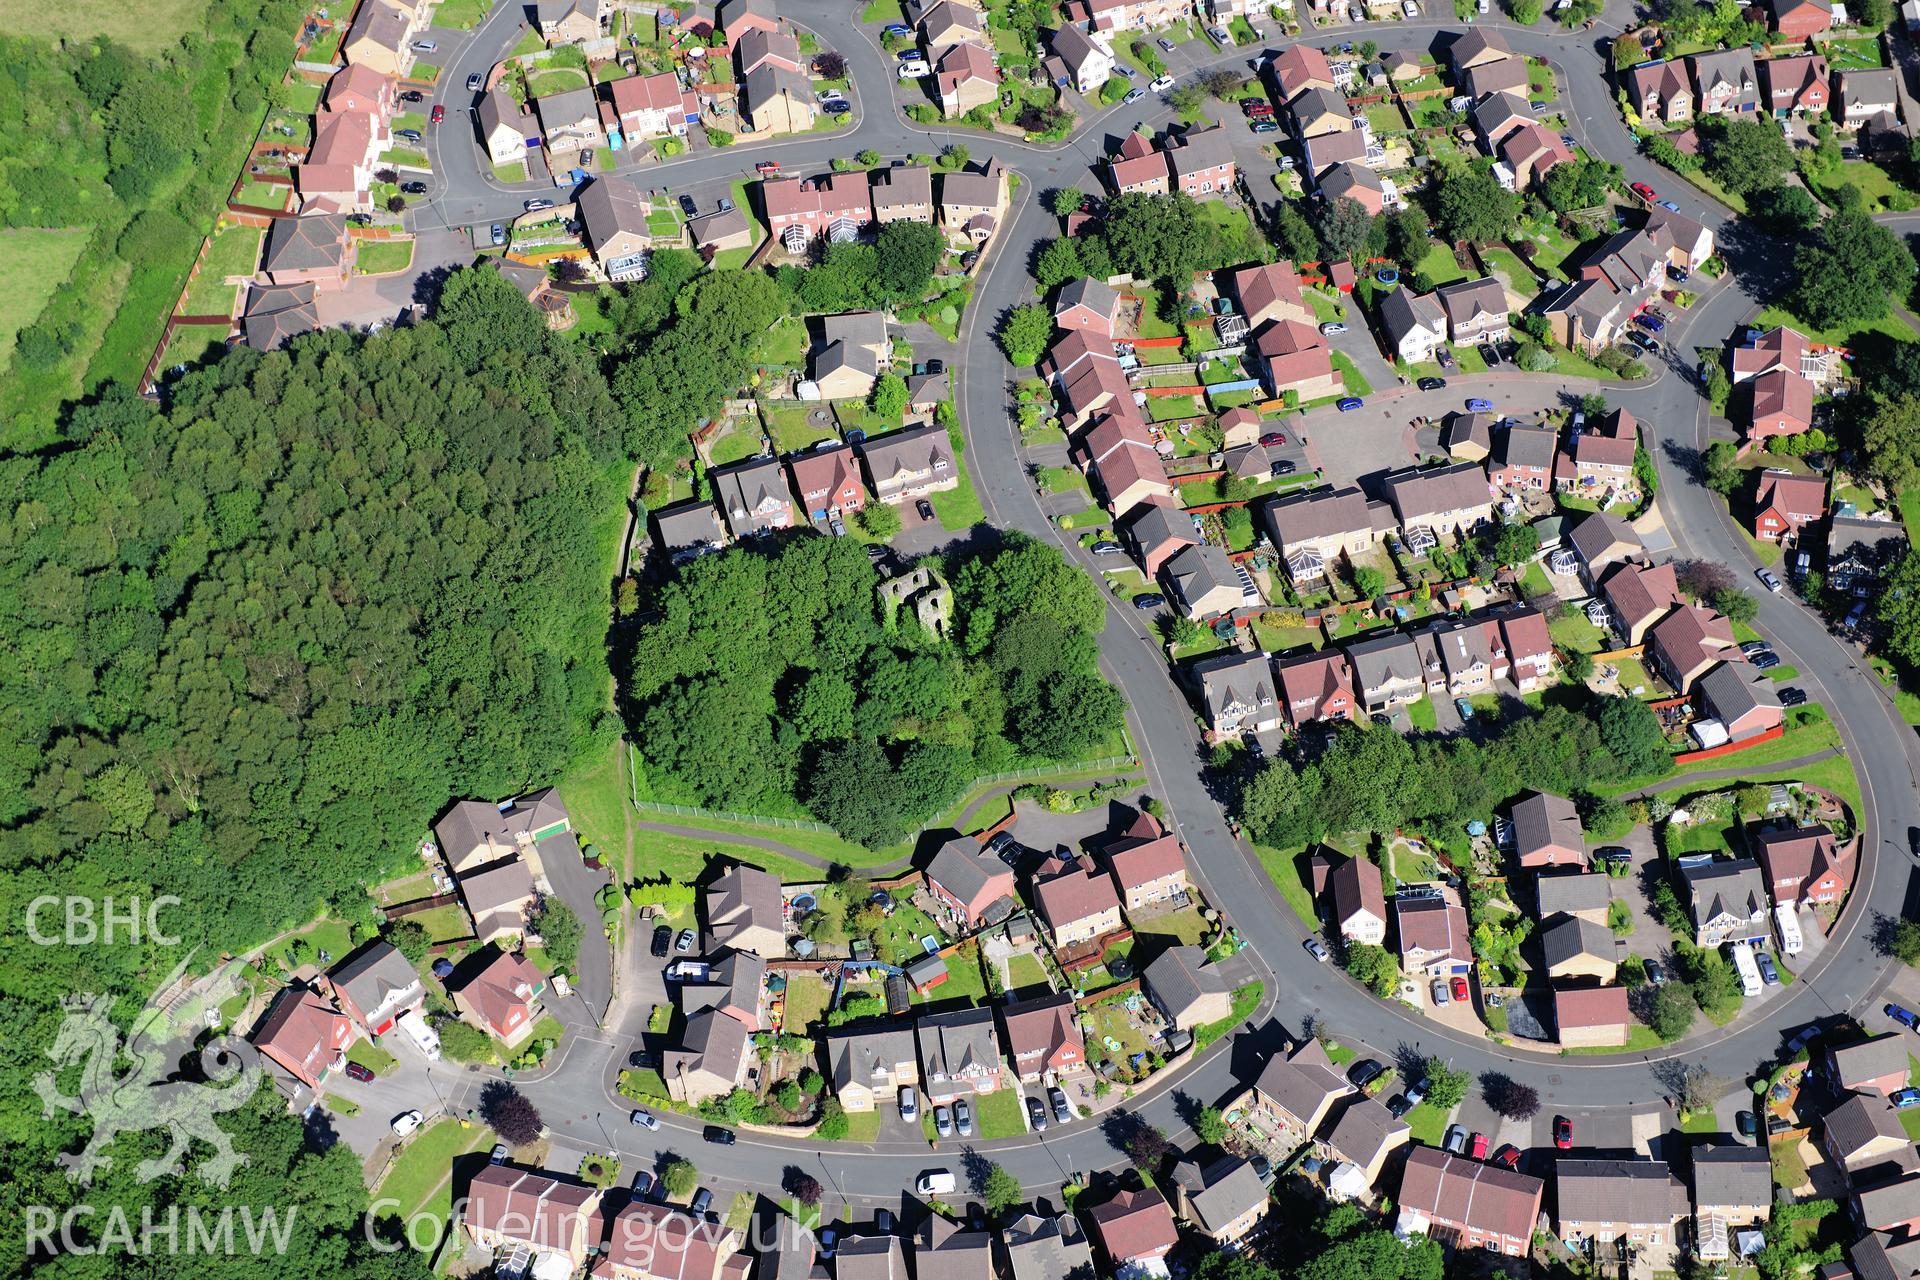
pixel 380 257
pixel 34 262
pixel 428 1160
pixel 1890 325
pixel 1283 869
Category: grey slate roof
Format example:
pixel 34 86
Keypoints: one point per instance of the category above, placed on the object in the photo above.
pixel 316 243
pixel 1047 1248
pixel 1572 936
pixel 1221 1192
pixel 1730 1175
pixel 1584 891
pixel 1638 1192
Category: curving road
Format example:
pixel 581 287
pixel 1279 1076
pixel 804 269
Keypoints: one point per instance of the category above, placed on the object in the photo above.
pixel 575 1093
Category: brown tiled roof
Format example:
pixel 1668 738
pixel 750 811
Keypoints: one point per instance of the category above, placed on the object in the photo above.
pixel 1486 1197
pixel 1135 1224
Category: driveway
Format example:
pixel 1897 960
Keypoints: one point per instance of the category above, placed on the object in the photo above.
pixel 575 884
pixel 1041 830
pixel 414 1084
pixel 381 299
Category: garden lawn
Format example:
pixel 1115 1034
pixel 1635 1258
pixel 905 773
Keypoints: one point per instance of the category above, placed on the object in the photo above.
pixel 736 445
pixel 786 343
pixel 1890 324
pixel 34 261
pixel 1185 925
pixel 552 80
pixel 427 1160
pixel 1439 265
pixel 443 924
pixel 1354 381
pixel 1283 869
pixel 371 1056
pixel 964 984
pixel 1428 1123
pixel 1423 715
pixel 1108 1020
pixel 789 423
pixel 958 508
pixel 262 195
pixel 1025 972
pixel 1499 258
pixel 807 997
pixel 302 95
pixel 464 15
pixel 191 343
pixel 997 1114
pixel 596 795
pixel 1573 631
pixel 381 257
pixel 1876 186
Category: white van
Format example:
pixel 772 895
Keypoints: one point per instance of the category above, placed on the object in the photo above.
pixel 421 1034
pixel 936 1182
pixel 1786 923
pixel 1749 971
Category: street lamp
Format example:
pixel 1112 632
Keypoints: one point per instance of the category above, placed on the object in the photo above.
pixel 603 1130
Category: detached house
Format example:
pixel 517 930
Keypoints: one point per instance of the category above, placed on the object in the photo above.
pixel 712 1059
pixel 374 986
pixel 967 77
pixel 903 194
pixel 1578 949
pixel 1271 292
pixel 1864 1132
pixel 569 122
pixel 1640 595
pixel 1785 503
pixel 505 126
pixel 1803 864
pixel 870 1066
pixel 650 106
pixel 1661 91
pixel 382 35
pixel 1300 67
pixel 1782 405
pixel 1203 582
pixel 1728 902
pixel 503 999
pixel 1187 990
pixel 1237 693
pixel 1603 1201
pixel 1203 164
pixel 1119 455
pixel 572 21
pixel 1531 152
pixel 1223 1201
pixel 909 464
pixel 1147 863
pixel 1741 699
pixel 959 1054
pixel 1293 361
pixel 1434 939
pixel 1135 1231
pixel 1087 304
pixel 1155 533
pixel 1601 541
pixel 1077 900
pixel 754 496
pixel 1687 642
pixel 971 883
pixel 1546 832
pixel 1873 1066
pixel 1866 94
pixel 1859 550
pixel 1042 1037
pixel 656 1242
pixel 614 222
pixel 1316 686
pixel 1086 61
pixel 1359 902
pixel 1796 84
pixel 1294 1094
pixel 776 99
pixel 828 482
pixel 1415 324
pixel 1316 529
pixel 973 201
pixel 854 351
pixel 1732 1188
pixel 1524 457
pixel 304 1035
pixel 508 1210
pixel 1529 648
pixel 1387 671
pixel 1725 83
pixel 745 912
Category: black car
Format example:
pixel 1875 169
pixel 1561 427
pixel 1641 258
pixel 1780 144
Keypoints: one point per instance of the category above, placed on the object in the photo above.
pixel 414 188
pixel 1398 1105
pixel 413 95
pixel 1766 661
pixel 836 106
pixel 936 366
pixel 1365 1072
pixel 1613 853
pixel 638 1059
pixel 1036 1115
pixel 1283 467
pixel 883 1222
pixel 1433 384
pixel 924 508
pixel 662 940
pixel 642 1184
pixel 1792 696
pixel 1656 976
pixel 688 207
pixel 1488 354
pixel 720 1135
pixel 702 1199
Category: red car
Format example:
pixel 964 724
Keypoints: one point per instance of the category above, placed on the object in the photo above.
pixel 360 1073
pixel 1273 439
pixel 1508 1155
pixel 1563 1133
pixel 439 114
pixel 1258 109
pixel 1479 1147
pixel 767 166
pixel 1645 192
pixel 1459 987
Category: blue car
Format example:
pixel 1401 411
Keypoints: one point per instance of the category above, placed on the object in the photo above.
pixel 1668 204
pixel 1464 707
pixel 896 29
pixel 1906 1098
pixel 1349 403
pixel 1905 1017
pixel 1149 600
pixel 1477 405
pixel 1651 323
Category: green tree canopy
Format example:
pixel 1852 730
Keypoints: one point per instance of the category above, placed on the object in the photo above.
pixel 1850 270
pixel 1472 205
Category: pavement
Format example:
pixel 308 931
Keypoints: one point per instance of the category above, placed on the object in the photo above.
pixel 575 1090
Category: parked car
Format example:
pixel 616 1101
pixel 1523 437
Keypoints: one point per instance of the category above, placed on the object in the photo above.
pixel 1746 1124
pixel 499 1153
pixel 943 1122
pixel 1670 206
pixel 1365 1072
pixel 1161 84
pixel 1106 547
pixel 924 508
pixel 1793 696
pixel 1332 327
pixel 425 46
pixel 1418 1093
pixel 1646 344
pixel 1650 322
pixel 1904 1016
pixel 828 1240
pixel 357 1072
pixel 537 203
pixel 1282 467
pixel 1768 581
pixel 909 1103
pixel 1036 1115
pixel 1459 987
pixel 1478 1148
pixel 1904 1098
pixel 1508 1156
pixel 474 82
pixel 896 29
pixel 1317 950
pixel 914 69
pixel 1349 403
pixel 1221 35
pixel 1613 853
pixel 720 1135
pixel 1432 384
pixel 1398 1106
pixel 414 188
pixel 642 1185
pixel 1273 439
pixel 1768 974
pixel 1254 107
pixel 1455 1143
pixel 645 1119
pixel 1677 274
pixel 836 106
pixel 406 1122
pixel 1563 1133
pixel 1133 96
pixel 1440 994
pixel 1265 125
pixel 1754 648
pixel 1166 45
pixel 963 1117
pixel 662 940
pixel 438 114
pixel 685 941
pixel 409 135
pixel 1479 405
pixel 936 366
pixel 413 95
pixel 1149 600
pixel 701 1202
pixel 1464 707
pixel 1057 1099
pixel 1645 192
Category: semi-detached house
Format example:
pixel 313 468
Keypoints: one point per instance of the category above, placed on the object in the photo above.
pixel 1148 865
pixel 1043 1037
pixel 1638 1201
pixel 1076 899
pixel 1315 530
pixel 1387 671
pixel 1468 1204
pixel 973 885
pixel 909 464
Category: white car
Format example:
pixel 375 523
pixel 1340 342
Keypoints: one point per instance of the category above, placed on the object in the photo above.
pixel 425 46
pixel 909 1104
pixel 1332 327
pixel 914 70
pixel 1409 8
pixel 1162 84
pixel 406 1122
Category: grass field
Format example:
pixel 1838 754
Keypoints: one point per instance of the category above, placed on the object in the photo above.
pixel 149 26
pixel 378 257
pixel 1891 325
pixel 1281 867
pixel 421 1179
pixel 191 343
pixel 595 793
pixel 1025 972
pixel 36 261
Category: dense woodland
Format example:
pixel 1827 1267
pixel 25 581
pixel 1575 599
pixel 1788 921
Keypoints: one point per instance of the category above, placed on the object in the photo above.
pixel 254 642
pixel 770 672
pixel 140 150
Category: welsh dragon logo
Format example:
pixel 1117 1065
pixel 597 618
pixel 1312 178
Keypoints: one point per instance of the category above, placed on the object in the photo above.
pixel 149 1093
